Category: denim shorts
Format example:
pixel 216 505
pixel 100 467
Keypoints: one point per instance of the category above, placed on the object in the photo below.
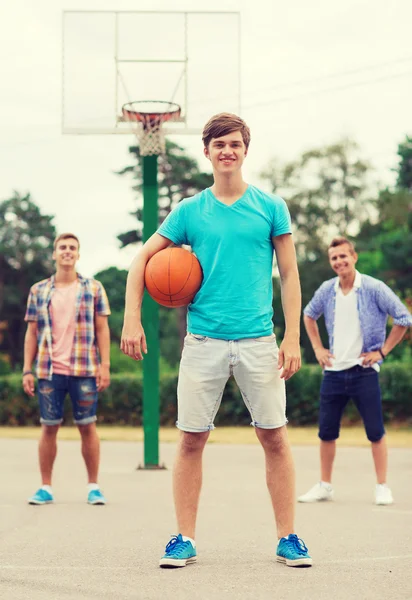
pixel 362 386
pixel 206 365
pixel 83 395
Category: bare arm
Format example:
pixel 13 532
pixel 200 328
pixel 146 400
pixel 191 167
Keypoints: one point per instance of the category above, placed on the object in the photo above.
pixel 30 351
pixel 289 351
pixel 322 354
pixel 133 341
pixel 395 336
pixel 103 343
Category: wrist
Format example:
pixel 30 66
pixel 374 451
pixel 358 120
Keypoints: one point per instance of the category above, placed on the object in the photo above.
pixel 27 372
pixel 133 313
pixel 380 350
pixel 105 365
pixel 292 334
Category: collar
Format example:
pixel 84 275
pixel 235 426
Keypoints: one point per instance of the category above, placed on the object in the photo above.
pixel 52 279
pixel 356 284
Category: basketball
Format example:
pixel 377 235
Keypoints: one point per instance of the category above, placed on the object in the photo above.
pixel 173 276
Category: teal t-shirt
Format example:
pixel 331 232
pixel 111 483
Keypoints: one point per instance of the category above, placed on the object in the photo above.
pixel 234 247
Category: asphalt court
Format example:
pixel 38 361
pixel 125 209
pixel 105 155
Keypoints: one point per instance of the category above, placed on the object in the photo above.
pixel 70 550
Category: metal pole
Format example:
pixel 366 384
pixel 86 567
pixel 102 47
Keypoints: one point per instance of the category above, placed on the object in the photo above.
pixel 151 404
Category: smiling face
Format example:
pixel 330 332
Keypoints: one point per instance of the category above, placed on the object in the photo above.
pixel 66 253
pixel 343 260
pixel 226 153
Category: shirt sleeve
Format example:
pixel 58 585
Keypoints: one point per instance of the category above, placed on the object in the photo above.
pixel 390 304
pixel 315 308
pixel 174 226
pixel 31 310
pixel 281 223
pixel 101 302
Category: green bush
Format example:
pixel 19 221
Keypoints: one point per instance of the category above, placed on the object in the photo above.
pixel 121 403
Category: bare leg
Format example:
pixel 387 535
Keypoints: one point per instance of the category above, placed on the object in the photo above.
pixel 187 480
pixel 47 451
pixel 280 476
pixel 90 450
pixel 327 456
pixel 380 458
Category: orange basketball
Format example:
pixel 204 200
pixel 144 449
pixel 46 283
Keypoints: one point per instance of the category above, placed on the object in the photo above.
pixel 173 276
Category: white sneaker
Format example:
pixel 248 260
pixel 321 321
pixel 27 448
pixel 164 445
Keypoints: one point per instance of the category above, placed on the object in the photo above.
pixel 318 493
pixel 383 494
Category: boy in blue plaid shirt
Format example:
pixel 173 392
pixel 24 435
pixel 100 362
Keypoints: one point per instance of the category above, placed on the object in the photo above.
pixel 356 308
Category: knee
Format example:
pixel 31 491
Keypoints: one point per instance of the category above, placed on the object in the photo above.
pixel 274 441
pixel 88 430
pixel 50 431
pixel 192 443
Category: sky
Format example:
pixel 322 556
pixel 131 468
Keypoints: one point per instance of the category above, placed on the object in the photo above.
pixel 311 74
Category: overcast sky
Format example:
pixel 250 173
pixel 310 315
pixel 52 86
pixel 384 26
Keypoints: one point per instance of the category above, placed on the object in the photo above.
pixel 312 73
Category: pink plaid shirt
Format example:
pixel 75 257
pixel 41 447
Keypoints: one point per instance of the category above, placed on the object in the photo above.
pixel 91 300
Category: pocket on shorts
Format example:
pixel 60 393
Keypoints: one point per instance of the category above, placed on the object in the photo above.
pixel 195 339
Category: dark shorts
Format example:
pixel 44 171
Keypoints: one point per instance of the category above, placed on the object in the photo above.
pixel 338 387
pixel 82 392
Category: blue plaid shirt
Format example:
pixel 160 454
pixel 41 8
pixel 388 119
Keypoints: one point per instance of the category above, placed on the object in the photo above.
pixel 375 300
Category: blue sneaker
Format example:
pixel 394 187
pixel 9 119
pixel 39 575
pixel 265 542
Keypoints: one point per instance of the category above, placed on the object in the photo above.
pixel 96 497
pixel 178 553
pixel 292 551
pixel 41 497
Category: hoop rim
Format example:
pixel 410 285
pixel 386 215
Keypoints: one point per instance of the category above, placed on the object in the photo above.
pixel 130 111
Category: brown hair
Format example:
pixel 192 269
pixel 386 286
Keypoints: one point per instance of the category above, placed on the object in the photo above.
pixel 223 124
pixel 339 241
pixel 65 236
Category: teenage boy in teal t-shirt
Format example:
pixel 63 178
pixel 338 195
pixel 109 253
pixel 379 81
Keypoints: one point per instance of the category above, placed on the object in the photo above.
pixel 233 228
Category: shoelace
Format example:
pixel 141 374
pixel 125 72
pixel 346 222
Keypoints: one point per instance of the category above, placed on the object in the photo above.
pixel 297 544
pixel 176 545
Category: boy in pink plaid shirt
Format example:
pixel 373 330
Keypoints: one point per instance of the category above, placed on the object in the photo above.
pixel 68 334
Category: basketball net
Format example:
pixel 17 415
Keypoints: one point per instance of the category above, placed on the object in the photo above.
pixel 150 137
pixel 147 119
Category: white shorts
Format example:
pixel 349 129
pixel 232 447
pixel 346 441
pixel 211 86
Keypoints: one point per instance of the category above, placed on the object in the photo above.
pixel 206 365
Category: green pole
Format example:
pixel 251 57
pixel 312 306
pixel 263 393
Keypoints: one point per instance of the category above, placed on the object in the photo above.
pixel 151 404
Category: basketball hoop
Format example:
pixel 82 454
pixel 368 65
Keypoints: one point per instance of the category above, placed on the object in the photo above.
pixel 149 116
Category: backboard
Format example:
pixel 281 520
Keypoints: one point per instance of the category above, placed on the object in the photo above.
pixel 110 58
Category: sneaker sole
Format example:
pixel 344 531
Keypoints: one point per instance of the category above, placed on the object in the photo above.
pixel 96 503
pixel 303 501
pixel 299 562
pixel 314 501
pixel 173 563
pixel 40 502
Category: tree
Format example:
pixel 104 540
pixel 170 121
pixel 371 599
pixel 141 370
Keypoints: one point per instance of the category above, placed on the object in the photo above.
pixel 114 282
pixel 26 248
pixel 385 242
pixel 179 177
pixel 404 180
pixel 327 194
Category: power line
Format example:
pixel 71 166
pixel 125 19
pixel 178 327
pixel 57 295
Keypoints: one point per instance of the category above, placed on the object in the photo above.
pixel 326 90
pixel 311 80
pixel 337 74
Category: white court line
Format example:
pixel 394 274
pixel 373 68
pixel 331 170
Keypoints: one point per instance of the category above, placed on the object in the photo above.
pixel 133 567
pixel 365 559
pixel 397 511
pixel 64 567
